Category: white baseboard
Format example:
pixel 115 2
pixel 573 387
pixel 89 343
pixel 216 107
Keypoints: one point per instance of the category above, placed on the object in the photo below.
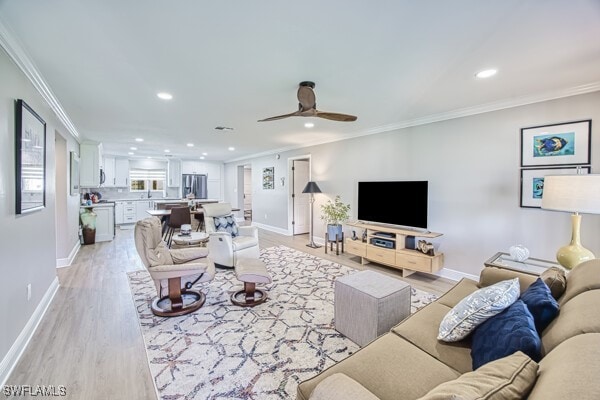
pixel 66 262
pixel 272 228
pixel 11 358
pixel 456 275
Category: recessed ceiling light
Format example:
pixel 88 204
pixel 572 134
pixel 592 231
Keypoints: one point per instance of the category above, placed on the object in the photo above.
pixel 139 139
pixel 167 151
pixel 190 145
pixel 486 73
pixel 164 95
pixel 204 154
pixel 133 148
pixel 202 158
pixel 309 125
pixel 231 149
pixel 130 153
pixel 148 157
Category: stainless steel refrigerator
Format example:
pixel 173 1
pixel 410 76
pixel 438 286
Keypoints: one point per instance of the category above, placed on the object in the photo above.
pixel 195 184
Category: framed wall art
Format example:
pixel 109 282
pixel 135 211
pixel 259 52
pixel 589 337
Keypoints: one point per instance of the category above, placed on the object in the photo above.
pixel 567 143
pixel 269 178
pixel 30 145
pixel 532 183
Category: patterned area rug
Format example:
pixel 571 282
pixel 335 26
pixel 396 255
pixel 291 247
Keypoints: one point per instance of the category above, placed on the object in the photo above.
pixel 227 352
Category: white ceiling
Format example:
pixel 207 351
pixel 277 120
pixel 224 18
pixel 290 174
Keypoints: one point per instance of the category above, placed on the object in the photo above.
pixel 392 63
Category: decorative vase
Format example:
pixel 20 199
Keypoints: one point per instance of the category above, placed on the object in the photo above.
pixel 332 231
pixel 519 252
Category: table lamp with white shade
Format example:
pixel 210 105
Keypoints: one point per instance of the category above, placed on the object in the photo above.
pixel 579 194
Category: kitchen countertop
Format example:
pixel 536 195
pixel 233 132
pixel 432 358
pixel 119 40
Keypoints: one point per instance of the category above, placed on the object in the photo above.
pixel 96 205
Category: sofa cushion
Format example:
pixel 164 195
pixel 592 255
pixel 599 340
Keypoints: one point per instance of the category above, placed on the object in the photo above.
pixel 492 275
pixel 541 304
pixel 476 308
pixel 510 331
pixel 584 277
pixel 341 387
pixel 508 378
pixel 461 290
pixel 388 367
pixel 421 329
pixel 579 315
pixel 570 371
pixel 556 279
pixel 226 224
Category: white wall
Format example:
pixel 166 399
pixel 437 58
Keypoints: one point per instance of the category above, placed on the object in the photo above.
pixel 27 242
pixel 473 168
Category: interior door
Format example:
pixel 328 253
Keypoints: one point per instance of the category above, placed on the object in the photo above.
pixel 300 201
pixel 248 193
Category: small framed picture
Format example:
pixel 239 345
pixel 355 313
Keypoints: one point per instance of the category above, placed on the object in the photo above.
pixel 567 143
pixel 269 178
pixel 532 183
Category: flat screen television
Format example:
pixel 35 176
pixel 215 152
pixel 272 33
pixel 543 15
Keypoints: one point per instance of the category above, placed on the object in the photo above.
pixel 401 203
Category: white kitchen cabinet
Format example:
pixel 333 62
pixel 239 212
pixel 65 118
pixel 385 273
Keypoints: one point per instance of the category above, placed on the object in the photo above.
pixel 213 189
pixel 173 173
pixel 118 213
pixel 109 172
pixel 121 172
pixel 141 207
pixel 193 167
pixel 213 171
pixel 105 223
pixel 90 161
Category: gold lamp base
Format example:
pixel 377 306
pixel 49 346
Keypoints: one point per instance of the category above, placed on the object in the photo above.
pixel 574 253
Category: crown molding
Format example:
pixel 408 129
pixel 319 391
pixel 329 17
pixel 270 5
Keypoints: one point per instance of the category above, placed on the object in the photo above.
pixel 458 113
pixel 16 52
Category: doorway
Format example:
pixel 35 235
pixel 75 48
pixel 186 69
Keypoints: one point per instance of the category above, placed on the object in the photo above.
pixel 248 193
pixel 299 202
pixel 61 169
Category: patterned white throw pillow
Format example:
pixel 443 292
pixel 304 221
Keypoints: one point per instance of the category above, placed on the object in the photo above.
pixel 226 224
pixel 476 308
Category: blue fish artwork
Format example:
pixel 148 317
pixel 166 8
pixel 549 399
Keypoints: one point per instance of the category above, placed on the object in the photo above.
pixel 561 144
pixel 538 187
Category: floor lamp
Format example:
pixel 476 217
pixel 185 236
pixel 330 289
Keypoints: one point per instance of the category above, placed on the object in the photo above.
pixel 576 194
pixel 312 188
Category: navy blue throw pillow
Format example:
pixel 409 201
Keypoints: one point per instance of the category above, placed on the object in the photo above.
pixel 541 304
pixel 510 331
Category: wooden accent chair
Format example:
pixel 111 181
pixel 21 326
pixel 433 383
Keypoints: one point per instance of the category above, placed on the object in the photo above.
pixel 174 271
pixel 178 217
pixel 228 242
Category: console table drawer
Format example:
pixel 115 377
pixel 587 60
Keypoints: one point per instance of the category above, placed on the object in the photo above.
pixel 413 262
pixel 383 256
pixel 356 247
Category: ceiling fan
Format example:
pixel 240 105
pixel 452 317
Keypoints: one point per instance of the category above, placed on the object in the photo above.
pixel 307 106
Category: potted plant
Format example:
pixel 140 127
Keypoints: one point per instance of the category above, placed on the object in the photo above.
pixel 334 213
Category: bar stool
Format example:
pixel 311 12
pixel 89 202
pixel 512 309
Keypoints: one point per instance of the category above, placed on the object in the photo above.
pixel 179 216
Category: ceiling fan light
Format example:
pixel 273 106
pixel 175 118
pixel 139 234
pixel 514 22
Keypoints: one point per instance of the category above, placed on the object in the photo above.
pixel 190 145
pixel 309 125
pixel 164 95
pixel 486 73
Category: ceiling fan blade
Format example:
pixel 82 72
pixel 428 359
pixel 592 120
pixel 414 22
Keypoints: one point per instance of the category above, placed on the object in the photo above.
pixel 306 97
pixel 294 114
pixel 335 116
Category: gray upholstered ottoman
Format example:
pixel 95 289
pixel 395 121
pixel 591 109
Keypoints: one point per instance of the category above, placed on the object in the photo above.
pixel 368 304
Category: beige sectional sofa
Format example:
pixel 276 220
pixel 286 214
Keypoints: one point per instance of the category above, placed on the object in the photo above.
pixel 409 361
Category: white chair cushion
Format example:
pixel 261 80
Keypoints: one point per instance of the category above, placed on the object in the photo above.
pixel 243 242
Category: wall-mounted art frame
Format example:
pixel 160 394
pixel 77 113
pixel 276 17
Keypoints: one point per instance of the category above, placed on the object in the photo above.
pixel 567 143
pixel 74 173
pixel 30 159
pixel 269 178
pixel 532 183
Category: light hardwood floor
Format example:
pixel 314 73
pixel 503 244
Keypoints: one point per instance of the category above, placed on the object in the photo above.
pixel 90 340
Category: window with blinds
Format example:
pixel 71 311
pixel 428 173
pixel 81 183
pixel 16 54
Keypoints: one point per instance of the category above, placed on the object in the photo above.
pixel 147 179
